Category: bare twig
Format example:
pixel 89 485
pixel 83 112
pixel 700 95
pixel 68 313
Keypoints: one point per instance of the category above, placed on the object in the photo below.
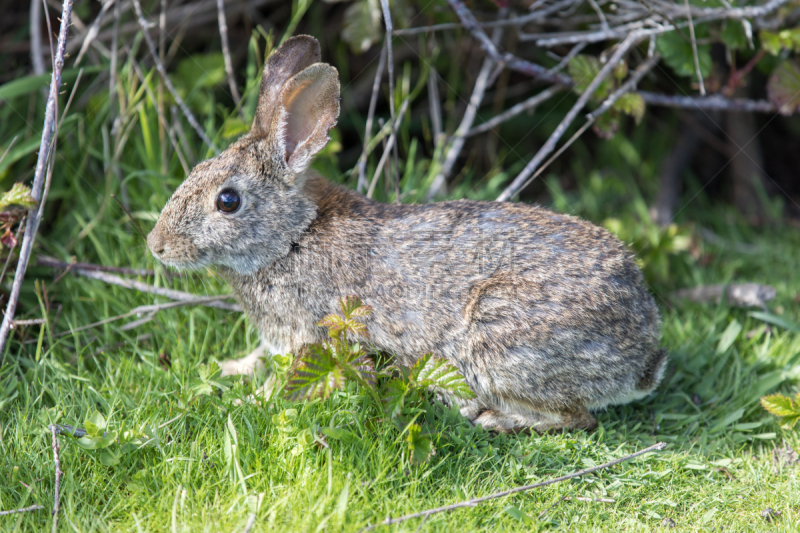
pixel 457 142
pixel 143 287
pixel 693 39
pixel 475 501
pixel 387 20
pixel 39 192
pixel 387 150
pixel 170 87
pixel 551 142
pixel 24 509
pixel 37 59
pixel 376 85
pixel 226 54
pixel 709 102
pixel 44 261
pixel 510 61
pixel 515 110
pixel 94 29
pixel 54 432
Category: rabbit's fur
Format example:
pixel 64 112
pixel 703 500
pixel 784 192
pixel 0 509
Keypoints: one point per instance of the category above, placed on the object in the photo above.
pixel 547 316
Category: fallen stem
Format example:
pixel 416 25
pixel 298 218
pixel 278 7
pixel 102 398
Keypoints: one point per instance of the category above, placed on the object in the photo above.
pixel 23 510
pixel 475 501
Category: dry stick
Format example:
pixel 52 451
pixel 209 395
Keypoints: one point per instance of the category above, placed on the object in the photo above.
pixel 709 102
pixel 509 60
pixel 59 473
pixel 457 142
pixel 693 39
pixel 24 509
pixel 387 150
pixel 515 110
pixel 44 261
pixel 35 213
pixel 551 142
pixel 163 72
pixel 567 58
pixel 387 20
pixel 94 29
pixel 144 287
pixel 626 87
pixel 476 501
pixel 36 37
pixel 251 521
pixel 226 55
pixel 376 85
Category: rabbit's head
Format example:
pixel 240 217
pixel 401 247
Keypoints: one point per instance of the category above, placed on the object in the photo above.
pixel 245 207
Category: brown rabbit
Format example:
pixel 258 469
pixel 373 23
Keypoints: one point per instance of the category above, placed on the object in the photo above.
pixel 546 315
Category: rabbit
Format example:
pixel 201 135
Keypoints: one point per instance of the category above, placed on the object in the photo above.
pixel 547 316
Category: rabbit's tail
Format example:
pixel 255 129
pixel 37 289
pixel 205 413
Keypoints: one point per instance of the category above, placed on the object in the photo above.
pixel 654 371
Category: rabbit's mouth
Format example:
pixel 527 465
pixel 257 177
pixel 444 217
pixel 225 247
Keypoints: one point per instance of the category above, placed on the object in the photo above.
pixel 176 251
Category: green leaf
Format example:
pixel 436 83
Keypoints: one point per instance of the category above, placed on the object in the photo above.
pixel 18 195
pixel 95 424
pixel 516 513
pixel 775 42
pixel 234 127
pixel 632 104
pixel 430 371
pixel 201 70
pixel 775 320
pixel 29 84
pixel 729 336
pixel 362 25
pixel 352 306
pixel 780 405
pixel 394 394
pixel 110 457
pixel 607 124
pixel 677 53
pixel 339 434
pixel 419 446
pixel 733 35
pixel 282 363
pixel 583 69
pixel 319 374
pixel 783 87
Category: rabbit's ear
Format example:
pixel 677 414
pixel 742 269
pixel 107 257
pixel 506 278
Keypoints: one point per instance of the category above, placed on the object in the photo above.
pixel 291 57
pixel 310 108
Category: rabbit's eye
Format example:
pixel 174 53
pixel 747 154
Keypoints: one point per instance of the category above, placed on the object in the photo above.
pixel 228 201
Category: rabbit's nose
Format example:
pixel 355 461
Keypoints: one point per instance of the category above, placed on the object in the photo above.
pixel 156 242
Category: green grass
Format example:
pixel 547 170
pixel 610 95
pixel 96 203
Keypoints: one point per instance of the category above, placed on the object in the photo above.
pixel 717 471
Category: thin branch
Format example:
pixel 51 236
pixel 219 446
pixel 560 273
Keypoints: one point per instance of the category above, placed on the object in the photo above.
pixel 167 82
pixel 389 144
pixel 143 287
pixel 510 61
pixel 40 175
pixel 550 144
pixel 23 510
pixel 226 54
pixel 475 501
pixel 54 432
pixel 515 110
pixel 457 142
pixel 693 40
pixel 44 261
pixel 387 20
pixel 709 102
pixel 94 29
pixel 37 56
pixel 376 85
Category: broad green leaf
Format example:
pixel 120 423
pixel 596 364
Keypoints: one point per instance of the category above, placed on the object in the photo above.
pixel 339 434
pixel 780 405
pixel 783 87
pixel 29 84
pixel 775 42
pixel 362 25
pixel 583 69
pixel 95 424
pixel 729 336
pixel 110 457
pixel 430 371
pixel 282 363
pixel 319 374
pixel 394 394
pixel 201 70
pixel 20 195
pixel 516 513
pixel 677 53
pixel 352 306
pixel 733 35
pixel 419 446
pixel 631 104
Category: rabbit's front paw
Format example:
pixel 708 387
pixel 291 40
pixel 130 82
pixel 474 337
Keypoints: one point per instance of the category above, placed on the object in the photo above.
pixel 247 365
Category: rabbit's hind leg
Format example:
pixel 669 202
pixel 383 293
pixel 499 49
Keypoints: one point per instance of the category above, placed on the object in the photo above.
pixel 516 422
